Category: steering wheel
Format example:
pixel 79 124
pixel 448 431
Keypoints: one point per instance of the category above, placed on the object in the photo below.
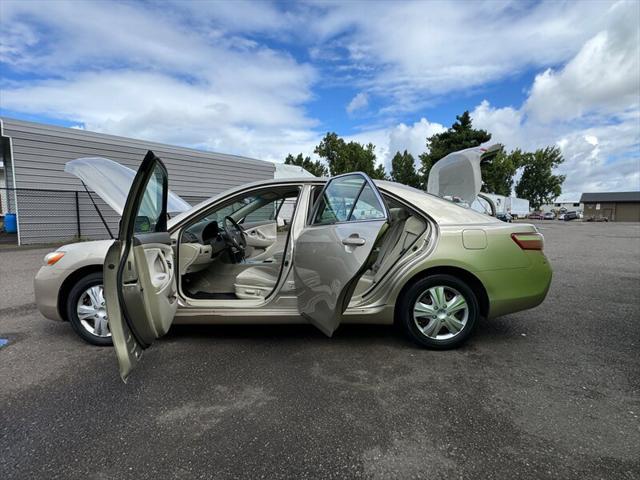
pixel 235 238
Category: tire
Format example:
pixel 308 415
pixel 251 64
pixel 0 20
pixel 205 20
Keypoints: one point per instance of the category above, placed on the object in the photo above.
pixel 420 320
pixel 80 292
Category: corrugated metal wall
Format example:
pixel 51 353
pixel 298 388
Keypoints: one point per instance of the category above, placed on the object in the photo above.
pixel 40 152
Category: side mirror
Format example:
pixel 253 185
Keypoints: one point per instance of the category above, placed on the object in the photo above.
pixel 142 224
pixel 281 222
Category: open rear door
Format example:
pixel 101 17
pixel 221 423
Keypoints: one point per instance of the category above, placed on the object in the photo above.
pixel 139 278
pixel 336 246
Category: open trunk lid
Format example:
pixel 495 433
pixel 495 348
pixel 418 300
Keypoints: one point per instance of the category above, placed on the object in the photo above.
pixel 457 176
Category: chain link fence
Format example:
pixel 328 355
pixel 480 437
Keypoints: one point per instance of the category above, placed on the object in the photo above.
pixel 61 216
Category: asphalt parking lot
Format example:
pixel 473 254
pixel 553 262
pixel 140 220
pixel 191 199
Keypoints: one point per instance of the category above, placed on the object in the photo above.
pixel 549 393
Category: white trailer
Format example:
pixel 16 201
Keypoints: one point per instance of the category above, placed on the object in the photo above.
pixel 499 201
pixel 517 207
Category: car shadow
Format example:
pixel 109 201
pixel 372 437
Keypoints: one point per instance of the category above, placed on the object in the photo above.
pixel 488 331
pixel 307 333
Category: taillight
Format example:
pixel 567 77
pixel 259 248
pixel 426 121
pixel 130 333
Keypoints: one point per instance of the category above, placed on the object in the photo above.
pixel 529 240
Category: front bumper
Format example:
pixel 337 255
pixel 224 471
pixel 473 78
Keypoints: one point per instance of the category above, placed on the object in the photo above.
pixel 46 286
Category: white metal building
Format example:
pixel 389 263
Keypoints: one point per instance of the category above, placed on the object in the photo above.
pixel 52 206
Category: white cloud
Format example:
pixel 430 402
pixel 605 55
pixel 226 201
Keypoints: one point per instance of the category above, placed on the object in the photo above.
pixel 412 138
pixel 208 75
pixel 387 141
pixel 400 137
pixel 121 69
pixel 504 124
pixel 360 101
pixel 411 52
pixel 601 157
pixel 603 77
pixel 590 108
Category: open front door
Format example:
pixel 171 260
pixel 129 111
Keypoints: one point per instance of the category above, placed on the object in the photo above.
pixel 139 278
pixel 336 247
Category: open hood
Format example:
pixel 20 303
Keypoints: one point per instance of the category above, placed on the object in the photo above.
pixel 458 174
pixel 290 171
pixel 112 182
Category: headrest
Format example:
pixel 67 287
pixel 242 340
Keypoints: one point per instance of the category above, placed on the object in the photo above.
pixel 210 231
pixel 399 214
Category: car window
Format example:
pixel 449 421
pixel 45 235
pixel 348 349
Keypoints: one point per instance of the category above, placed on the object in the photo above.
pixel 346 199
pixel 253 208
pixel 285 210
pixel 150 208
pixel 367 207
pixel 265 212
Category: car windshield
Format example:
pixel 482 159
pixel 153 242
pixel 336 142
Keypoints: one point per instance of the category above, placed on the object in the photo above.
pixel 261 205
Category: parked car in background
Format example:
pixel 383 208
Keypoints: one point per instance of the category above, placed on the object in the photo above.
pixel 549 216
pixel 504 216
pixel 536 216
pixel 571 215
pixel 561 216
pixel 351 250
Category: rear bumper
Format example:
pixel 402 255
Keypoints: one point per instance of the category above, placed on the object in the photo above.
pixel 516 289
pixel 46 287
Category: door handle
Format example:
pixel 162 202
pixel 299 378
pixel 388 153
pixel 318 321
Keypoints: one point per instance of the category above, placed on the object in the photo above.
pixel 354 240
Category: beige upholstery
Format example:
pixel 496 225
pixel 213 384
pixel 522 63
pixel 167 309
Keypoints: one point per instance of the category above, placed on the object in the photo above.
pixel 392 236
pixel 404 230
pixel 257 281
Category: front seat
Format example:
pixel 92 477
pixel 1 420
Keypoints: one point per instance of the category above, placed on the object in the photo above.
pixel 258 281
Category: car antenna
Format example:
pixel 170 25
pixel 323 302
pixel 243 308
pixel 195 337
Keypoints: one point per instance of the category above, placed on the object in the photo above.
pixel 98 210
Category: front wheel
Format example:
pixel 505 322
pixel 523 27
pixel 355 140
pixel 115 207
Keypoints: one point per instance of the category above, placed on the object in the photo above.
pixel 439 312
pixel 87 312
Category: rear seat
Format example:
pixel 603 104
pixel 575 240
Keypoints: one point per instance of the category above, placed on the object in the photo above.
pixel 404 230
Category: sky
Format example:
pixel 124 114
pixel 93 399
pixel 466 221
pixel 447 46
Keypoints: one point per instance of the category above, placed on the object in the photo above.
pixel 265 79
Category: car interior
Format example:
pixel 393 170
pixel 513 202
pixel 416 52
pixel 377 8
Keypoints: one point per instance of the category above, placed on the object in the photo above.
pixel 236 251
pixel 405 227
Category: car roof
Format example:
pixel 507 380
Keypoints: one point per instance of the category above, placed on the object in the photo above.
pixel 444 212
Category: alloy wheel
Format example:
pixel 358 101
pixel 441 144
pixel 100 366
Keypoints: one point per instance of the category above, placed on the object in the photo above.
pixel 92 311
pixel 441 312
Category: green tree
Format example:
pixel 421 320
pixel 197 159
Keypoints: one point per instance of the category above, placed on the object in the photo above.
pixel 316 168
pixel 461 135
pixel 538 184
pixel 403 169
pixel 343 157
pixel 331 148
pixel 497 173
pixel 379 173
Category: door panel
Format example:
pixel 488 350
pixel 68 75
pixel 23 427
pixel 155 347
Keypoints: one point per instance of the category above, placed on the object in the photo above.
pixel 149 289
pixel 262 241
pixel 139 277
pixel 333 252
pixel 261 236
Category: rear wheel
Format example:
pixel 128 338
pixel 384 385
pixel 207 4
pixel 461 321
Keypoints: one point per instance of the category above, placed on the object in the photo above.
pixel 86 310
pixel 439 312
